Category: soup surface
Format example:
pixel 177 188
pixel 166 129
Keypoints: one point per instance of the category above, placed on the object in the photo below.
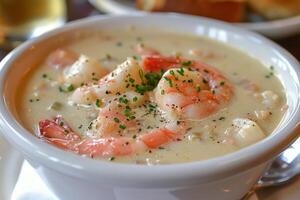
pixel 150 98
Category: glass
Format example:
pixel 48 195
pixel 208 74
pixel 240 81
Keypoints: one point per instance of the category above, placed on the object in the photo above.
pixel 23 19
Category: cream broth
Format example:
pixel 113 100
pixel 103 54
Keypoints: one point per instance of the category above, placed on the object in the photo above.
pixel 258 98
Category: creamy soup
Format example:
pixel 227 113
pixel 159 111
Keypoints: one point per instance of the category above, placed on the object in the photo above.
pixel 151 98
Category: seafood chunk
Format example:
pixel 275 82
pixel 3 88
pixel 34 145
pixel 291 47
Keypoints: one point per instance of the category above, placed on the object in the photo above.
pixel 246 132
pixel 84 70
pixel 121 80
pixel 270 98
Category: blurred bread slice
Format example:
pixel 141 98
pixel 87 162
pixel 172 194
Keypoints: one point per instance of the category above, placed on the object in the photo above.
pixel 274 9
pixel 227 10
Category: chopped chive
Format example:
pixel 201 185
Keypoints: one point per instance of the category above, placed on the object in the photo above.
pixel 112 158
pixel 180 71
pixel 122 126
pixel 123 100
pixel 134 99
pixel 119 44
pixel 186 63
pixel 98 103
pixel 131 80
pixel 116 120
pixel 70 88
pixel 198 88
pixel 169 81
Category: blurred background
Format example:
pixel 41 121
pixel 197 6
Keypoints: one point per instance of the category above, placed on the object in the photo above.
pixel 22 20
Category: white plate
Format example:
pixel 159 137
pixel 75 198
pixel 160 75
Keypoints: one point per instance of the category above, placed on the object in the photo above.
pixel 19 181
pixel 273 29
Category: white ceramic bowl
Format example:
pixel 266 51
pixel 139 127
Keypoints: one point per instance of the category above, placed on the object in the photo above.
pixel 73 177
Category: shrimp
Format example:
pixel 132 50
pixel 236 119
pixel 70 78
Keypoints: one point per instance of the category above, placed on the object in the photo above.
pixel 121 80
pixel 64 137
pixel 112 120
pixel 189 89
pixel 83 70
pixel 61 58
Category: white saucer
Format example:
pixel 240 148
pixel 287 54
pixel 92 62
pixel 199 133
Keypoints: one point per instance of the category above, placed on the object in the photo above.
pixel 19 181
pixel 273 29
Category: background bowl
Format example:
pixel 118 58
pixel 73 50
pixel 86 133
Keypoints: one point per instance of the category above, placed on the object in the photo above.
pixel 73 177
pixel 278 28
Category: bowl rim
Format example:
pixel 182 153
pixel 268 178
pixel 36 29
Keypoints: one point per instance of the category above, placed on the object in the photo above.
pixel 140 175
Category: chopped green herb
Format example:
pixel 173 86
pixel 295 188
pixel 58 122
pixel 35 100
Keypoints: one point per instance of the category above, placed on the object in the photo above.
pixel 44 75
pixel 80 126
pixel 151 107
pixel 123 100
pixel 98 103
pixel 119 44
pixel 198 88
pixel 90 125
pixel 186 63
pixel 180 71
pixel 149 82
pixel 134 99
pixel 127 112
pixel 122 126
pixel 131 80
pixel 222 83
pixel 68 88
pixel 169 81
pixel 173 74
pixel 116 120
pixel 134 136
pixel 112 158
pixel 162 92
